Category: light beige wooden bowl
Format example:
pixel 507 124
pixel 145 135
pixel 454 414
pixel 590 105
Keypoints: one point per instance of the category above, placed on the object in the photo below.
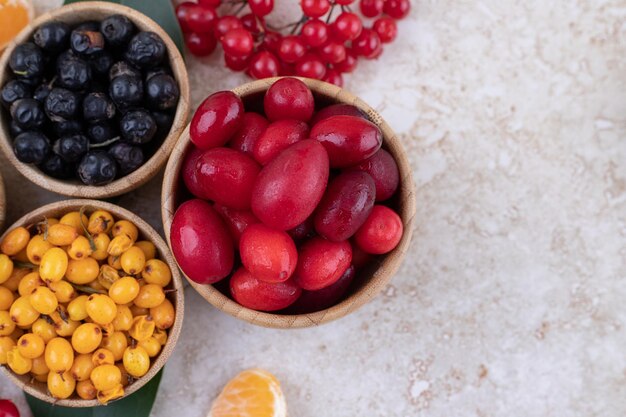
pixel 77 13
pixel 146 232
pixel 3 203
pixel 370 280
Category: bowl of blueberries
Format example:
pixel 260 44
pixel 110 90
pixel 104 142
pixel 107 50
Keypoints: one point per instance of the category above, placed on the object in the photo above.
pixel 94 96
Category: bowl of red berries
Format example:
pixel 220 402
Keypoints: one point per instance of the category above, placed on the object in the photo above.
pixel 93 97
pixel 288 202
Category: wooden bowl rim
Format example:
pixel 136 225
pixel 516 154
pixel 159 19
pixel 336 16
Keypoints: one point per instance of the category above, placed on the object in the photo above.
pixel 150 167
pixel 3 202
pixel 146 231
pixel 354 301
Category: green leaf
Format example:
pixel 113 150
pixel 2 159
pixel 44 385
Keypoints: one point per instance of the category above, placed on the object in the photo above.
pixel 161 11
pixel 138 404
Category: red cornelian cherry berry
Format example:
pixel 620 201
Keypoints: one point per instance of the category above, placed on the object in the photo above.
pixel 195 17
pixel 311 66
pixel 347 26
pixel 237 43
pixel 372 8
pixel 277 137
pixel 236 63
pixel 398 9
pixel 250 23
pixel 263 64
pixel 289 98
pixel 314 32
pixel 344 2
pixel 321 263
pixel 368 44
pixel 261 8
pixel 333 77
pixel 311 301
pixel 291 49
pixel 348 64
pixel 332 52
pixel 381 232
pixel 210 3
pixel 217 119
pixel 251 292
pixel 189 172
pixel 200 44
pixel 270 255
pixel 237 221
pixel 253 126
pixel 8 409
pixel 315 8
pixel 384 170
pixel 386 28
pixel 225 24
pixel 271 41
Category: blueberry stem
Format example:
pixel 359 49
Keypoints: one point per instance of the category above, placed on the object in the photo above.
pixel 106 143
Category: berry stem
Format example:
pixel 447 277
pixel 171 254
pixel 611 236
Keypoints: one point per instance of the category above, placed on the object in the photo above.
pixel 330 13
pixel 106 143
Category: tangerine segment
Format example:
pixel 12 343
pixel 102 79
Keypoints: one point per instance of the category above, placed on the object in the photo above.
pixel 14 16
pixel 252 393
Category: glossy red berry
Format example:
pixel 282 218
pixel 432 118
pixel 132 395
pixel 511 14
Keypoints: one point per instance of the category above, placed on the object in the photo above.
pixel 289 98
pixel 270 255
pixel 291 49
pixel 384 170
pixel 195 17
pixel 371 8
pixel 333 77
pixel 332 52
pixel 348 64
pixel 237 221
pixel 321 263
pixel 344 2
pixel 368 44
pixel 277 137
pixel 189 173
pixel 271 41
pixel 315 8
pixel 347 26
pixel 210 3
pixel 8 409
pixel 264 64
pixel 237 43
pixel 314 32
pixel 236 63
pixel 311 301
pixel 250 23
pixel 217 119
pixel 252 127
pixel 200 44
pixel 398 9
pixel 337 110
pixel 225 24
pixel 381 232
pixel 386 28
pixel 261 8
pixel 253 293
pixel 311 66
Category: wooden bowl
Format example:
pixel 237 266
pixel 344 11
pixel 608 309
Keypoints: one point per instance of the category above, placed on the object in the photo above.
pixel 3 203
pixel 146 232
pixel 73 14
pixel 370 280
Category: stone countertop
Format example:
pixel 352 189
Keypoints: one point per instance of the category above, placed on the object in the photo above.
pixel 511 299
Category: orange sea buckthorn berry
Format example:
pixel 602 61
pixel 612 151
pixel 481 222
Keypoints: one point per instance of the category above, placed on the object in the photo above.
pixel 59 355
pixel 116 343
pixel 114 262
pixel 101 308
pixel 107 276
pixel 53 265
pixel 136 361
pixel 6 268
pixel 62 234
pixel 61 385
pixel 29 283
pixel 43 329
pixel 16 276
pixel 43 300
pixel 6 298
pixel 163 314
pixel 157 272
pixel 160 335
pixel 102 356
pixel 18 363
pixel 82 367
pixel 82 271
pixel 31 346
pixel 39 366
pixel 151 346
pixel 124 227
pixel 86 338
pixel 142 328
pixel 66 328
pixel 100 221
pixel 22 313
pixel 73 218
pixel 86 390
pixel 119 244
pixel 150 295
pixel 101 241
pixel 7 325
pixel 111 394
pixel 76 308
pixel 6 344
pixel 36 248
pixel 15 241
pixel 63 290
pixel 133 260
pixel 123 319
pixel 124 290
pixel 139 311
pixel 148 248
pixel 80 248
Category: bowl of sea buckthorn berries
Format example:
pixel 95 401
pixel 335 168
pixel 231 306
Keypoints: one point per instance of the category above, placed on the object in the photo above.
pixel 91 303
pixel 288 202
pixel 93 97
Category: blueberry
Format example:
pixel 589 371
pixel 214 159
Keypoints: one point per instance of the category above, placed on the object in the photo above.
pixel 14 90
pixel 27 113
pixel 15 129
pixel 101 132
pixel 126 91
pixel 164 122
pixel 117 29
pixel 56 167
pixel 31 147
pixel 86 42
pixel 67 127
pixel 27 60
pixel 123 68
pixel 101 63
pixel 162 92
pixel 71 148
pixel 31 82
pixel 97 168
pixel 98 107
pixel 128 157
pixel 91 25
pixel 145 50
pixel 42 92
pixel 73 72
pixel 52 36
pixel 61 104
pixel 138 127
pixel 151 72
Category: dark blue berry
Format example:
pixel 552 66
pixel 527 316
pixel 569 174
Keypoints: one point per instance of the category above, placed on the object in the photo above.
pixel 14 90
pixel 138 127
pixel 101 63
pixel 162 92
pixel 27 61
pixel 97 168
pixel 42 92
pixel 123 68
pixel 128 157
pixel 73 72
pixel 15 129
pixel 126 91
pixel 86 42
pixel 71 148
pixel 145 50
pixel 117 29
pixel 56 167
pixel 164 122
pixel 31 147
pixel 52 36
pixel 101 132
pixel 61 104
pixel 67 127
pixel 28 114
pixel 98 107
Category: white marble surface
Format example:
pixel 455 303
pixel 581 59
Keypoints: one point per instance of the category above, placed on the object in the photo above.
pixel 511 300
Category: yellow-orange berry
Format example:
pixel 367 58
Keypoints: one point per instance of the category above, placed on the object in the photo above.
pixel 15 241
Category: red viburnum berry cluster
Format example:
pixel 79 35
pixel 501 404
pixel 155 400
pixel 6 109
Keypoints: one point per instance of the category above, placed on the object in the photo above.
pixel 320 45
